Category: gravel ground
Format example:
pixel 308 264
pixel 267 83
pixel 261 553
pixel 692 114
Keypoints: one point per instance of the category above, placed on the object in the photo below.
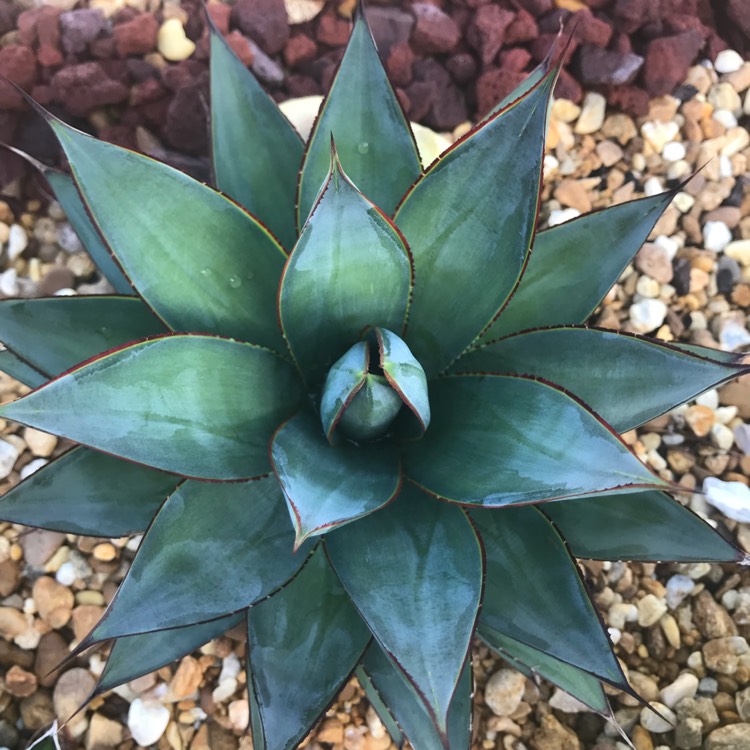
pixel 680 630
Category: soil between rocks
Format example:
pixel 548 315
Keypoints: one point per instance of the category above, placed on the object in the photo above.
pixel 680 630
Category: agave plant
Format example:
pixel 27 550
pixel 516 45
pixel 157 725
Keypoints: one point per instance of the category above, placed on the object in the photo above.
pixel 350 407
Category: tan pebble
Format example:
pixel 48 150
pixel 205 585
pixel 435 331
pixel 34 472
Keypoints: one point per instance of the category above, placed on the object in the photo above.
pixel 700 418
pixel 186 680
pixel 642 739
pixel 619 127
pixel 53 600
pixel 592 114
pixel 6 215
pixel 103 733
pixel 739 80
pixel 40 443
pixel 105 552
pixel 72 689
pixel 19 682
pixel 572 193
pixel 723 96
pixel 4 232
pixel 331 730
pixel 609 152
pixel 84 618
pixel 88 596
pixel 698 279
pixel 671 630
pixel 172 42
pixel 565 110
pixel 239 714
pixel 700 77
pixel 377 743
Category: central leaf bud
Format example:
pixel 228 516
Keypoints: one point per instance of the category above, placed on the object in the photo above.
pixel 369 386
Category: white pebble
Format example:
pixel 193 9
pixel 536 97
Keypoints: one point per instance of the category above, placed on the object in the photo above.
pixel 684 202
pixel 731 498
pixel 8 457
pixel 504 691
pixel 716 235
pixel 670 244
pixel 658 133
pixel 678 588
pixel 647 315
pixel 709 398
pixel 732 335
pixel 685 686
pixel 225 690
pixel 650 610
pixel 728 61
pixel 673 151
pixel 653 722
pixel 725 117
pixel 9 283
pixel 653 186
pixel 725 414
pixel 561 215
pixel 566 703
pixel 66 574
pixel 742 436
pixel 32 466
pixel 722 437
pixel 147 721
pixel 647 287
pixel 230 667
pixel 615 634
pixel 18 241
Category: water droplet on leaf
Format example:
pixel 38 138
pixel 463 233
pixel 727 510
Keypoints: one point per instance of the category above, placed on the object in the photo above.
pixel 363 147
pixel 235 281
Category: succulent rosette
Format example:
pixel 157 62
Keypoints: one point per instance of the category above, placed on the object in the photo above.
pixel 353 404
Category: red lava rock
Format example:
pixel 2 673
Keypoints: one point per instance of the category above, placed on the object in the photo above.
pixel 241 47
pixel 568 88
pixel 630 99
pixel 184 73
pixel 515 58
pixel 462 66
pixel 434 32
pixel 622 44
pixel 333 30
pixel 103 48
pixel 448 107
pixel 300 48
pixel 7 18
pixel 494 85
pixel 389 26
pixel 80 27
pixel 591 30
pixel 543 43
pixel 140 70
pixel 220 15
pixel 668 60
pixel 421 96
pixel 137 36
pixel 600 66
pixel 264 21
pixel 630 15
pixel 17 64
pixel 41 27
pixel 486 33
pixel 523 29
pixel 302 86
pixel 738 12
pixel 84 87
pixel 146 91
pixel 539 7
pixel 186 128
pixel 399 64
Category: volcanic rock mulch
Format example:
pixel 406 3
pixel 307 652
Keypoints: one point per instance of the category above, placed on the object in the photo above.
pixel 680 630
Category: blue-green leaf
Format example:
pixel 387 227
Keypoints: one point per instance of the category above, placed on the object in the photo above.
pixel 136 655
pixel 496 440
pixel 534 592
pixel 200 529
pixel 346 377
pixel 414 572
pixel 372 135
pixel 349 270
pixel 199 260
pixel 606 369
pixel 396 692
pixel 469 222
pixel 57 333
pixel 19 370
pixel 190 404
pixel 87 492
pixel 574 265
pixel 295 675
pixel 327 486
pixel 642 526
pixel 256 152
pixel 381 709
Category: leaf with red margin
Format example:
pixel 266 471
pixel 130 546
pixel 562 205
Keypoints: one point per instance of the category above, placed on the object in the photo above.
pixel 414 570
pixel 327 486
pixel 506 440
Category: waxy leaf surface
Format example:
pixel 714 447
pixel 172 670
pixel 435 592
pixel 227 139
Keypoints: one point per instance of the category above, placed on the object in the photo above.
pixel 346 376
pixel 194 405
pixel 327 486
pixel 502 440
pixel 606 369
pixel 136 655
pixel 90 493
pixel 350 269
pixel 54 334
pixel 256 152
pixel 19 370
pixel 643 526
pixel 199 528
pixel 534 592
pixel 199 260
pixel 581 685
pixel 373 138
pixel 414 572
pixel 410 712
pixel 381 709
pixel 75 211
pixel 574 265
pixel 303 643
pixel 469 222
